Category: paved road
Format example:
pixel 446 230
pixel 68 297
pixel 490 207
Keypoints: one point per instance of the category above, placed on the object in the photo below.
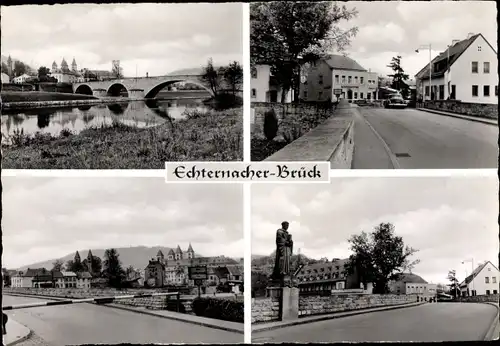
pixel 430 322
pixel 417 139
pixel 91 324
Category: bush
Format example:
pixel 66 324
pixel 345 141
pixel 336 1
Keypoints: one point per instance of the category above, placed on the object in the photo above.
pixel 270 124
pixel 171 305
pixel 221 309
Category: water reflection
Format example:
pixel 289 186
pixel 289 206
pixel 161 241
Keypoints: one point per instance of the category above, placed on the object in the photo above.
pixel 76 119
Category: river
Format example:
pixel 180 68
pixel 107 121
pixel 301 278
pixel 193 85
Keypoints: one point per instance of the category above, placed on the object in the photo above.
pixel 76 119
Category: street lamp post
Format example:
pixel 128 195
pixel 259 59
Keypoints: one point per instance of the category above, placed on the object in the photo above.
pixel 428 46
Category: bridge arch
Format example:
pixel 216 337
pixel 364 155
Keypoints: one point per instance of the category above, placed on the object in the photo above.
pixel 151 93
pixel 84 89
pixel 117 89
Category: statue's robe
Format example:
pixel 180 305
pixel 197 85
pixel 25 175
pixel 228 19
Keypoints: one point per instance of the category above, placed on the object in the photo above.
pixel 283 254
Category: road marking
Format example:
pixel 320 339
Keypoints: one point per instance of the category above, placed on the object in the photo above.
pixel 392 157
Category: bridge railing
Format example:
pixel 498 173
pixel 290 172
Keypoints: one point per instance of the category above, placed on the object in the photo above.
pixel 98 300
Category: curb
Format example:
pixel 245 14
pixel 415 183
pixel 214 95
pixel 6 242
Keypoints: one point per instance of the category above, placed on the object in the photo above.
pixel 332 317
pixel 459 116
pixel 493 331
pixel 204 324
pixel 145 312
pixel 22 338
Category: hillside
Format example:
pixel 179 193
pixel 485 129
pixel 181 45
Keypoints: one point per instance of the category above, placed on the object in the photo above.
pixel 137 256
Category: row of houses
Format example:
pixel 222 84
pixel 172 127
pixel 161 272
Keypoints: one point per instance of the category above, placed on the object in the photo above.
pixel 330 275
pixel 43 278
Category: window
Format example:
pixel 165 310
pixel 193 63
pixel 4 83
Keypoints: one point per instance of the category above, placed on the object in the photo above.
pixel 474 67
pixel 453 92
pixel 254 93
pixel 475 90
pixel 355 95
pixel 320 95
pixel 486 280
pixel 356 79
pixel 486 67
pixel 486 90
pixel 369 96
pixel 478 48
pixel 349 79
pixel 320 79
pixel 494 279
pixel 487 292
pixel 496 90
pixel 426 90
pixel 305 94
pixel 441 92
pixel 495 291
pixel 343 79
pixel 361 95
pixel 336 79
pixel 361 79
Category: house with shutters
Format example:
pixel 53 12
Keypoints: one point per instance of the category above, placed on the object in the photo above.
pixel 465 71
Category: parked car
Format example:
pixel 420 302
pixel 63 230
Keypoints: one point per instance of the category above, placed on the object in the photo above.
pixel 396 102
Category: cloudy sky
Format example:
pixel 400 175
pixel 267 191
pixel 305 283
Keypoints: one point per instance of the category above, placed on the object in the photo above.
pixel 157 38
pixel 447 219
pixel 47 218
pixel 392 28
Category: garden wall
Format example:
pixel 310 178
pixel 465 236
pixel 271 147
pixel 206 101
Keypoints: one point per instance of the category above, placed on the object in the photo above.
pixel 491 298
pixel 482 110
pixel 316 305
pixel 265 309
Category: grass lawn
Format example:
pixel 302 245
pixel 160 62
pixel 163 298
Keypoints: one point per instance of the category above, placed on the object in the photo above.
pixel 206 136
pixel 37 96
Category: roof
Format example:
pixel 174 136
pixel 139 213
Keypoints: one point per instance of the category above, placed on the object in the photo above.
pixel 190 248
pixel 318 265
pixel 454 51
pixel 341 62
pixel 475 273
pixel 178 250
pixel 68 274
pixel 411 278
pixel 171 252
pixel 33 272
pixel 84 275
pixel 235 270
pixel 221 272
pixel 159 253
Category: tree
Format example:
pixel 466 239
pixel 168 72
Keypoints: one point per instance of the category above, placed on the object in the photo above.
pixel 399 77
pixel 112 268
pixel 116 70
pixel 57 266
pixel 212 76
pixel 233 75
pixel 379 257
pixel 10 71
pixel 5 68
pixel 19 68
pixel 454 285
pixel 130 270
pixel 286 35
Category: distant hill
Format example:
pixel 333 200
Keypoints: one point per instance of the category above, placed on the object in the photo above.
pixel 187 71
pixel 137 256
pixel 5 59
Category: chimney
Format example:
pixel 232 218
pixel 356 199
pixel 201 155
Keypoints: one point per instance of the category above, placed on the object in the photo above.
pixel 470 35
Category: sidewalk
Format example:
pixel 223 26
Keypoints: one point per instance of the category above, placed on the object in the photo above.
pixel 461 116
pixel 16 333
pixel 201 321
pixel 280 324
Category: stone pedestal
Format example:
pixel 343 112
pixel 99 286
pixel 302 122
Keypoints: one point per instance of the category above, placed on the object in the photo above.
pixel 289 303
pixel 136 94
pixel 273 292
pixel 99 92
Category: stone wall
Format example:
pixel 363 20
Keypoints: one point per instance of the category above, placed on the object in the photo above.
pixel 265 309
pixel 316 305
pixel 482 110
pixel 492 298
pixel 153 303
pixel 287 111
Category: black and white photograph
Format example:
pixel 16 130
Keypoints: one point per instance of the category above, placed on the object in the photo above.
pixel 121 86
pixel 401 259
pixel 121 260
pixel 375 84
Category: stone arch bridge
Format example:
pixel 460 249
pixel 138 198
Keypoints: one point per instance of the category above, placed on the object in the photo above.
pixel 137 88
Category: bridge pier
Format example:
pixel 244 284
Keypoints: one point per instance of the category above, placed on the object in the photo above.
pixel 136 94
pixel 99 92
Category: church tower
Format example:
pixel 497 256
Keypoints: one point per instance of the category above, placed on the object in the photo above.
pixel 54 67
pixel 89 261
pixel 178 253
pixel 159 257
pixel 190 252
pixel 77 258
pixel 64 65
pixel 74 66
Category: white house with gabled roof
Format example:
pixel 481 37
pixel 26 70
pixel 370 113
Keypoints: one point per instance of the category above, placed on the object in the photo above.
pixel 466 71
pixel 484 280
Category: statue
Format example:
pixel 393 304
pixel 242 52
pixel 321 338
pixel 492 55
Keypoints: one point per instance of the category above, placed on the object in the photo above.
pixel 284 248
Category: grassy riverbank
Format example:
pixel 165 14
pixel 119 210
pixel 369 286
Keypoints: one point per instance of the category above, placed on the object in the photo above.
pixel 40 96
pixel 202 136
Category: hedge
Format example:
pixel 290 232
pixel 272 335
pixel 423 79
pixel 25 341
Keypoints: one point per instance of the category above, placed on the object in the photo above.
pixel 221 309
